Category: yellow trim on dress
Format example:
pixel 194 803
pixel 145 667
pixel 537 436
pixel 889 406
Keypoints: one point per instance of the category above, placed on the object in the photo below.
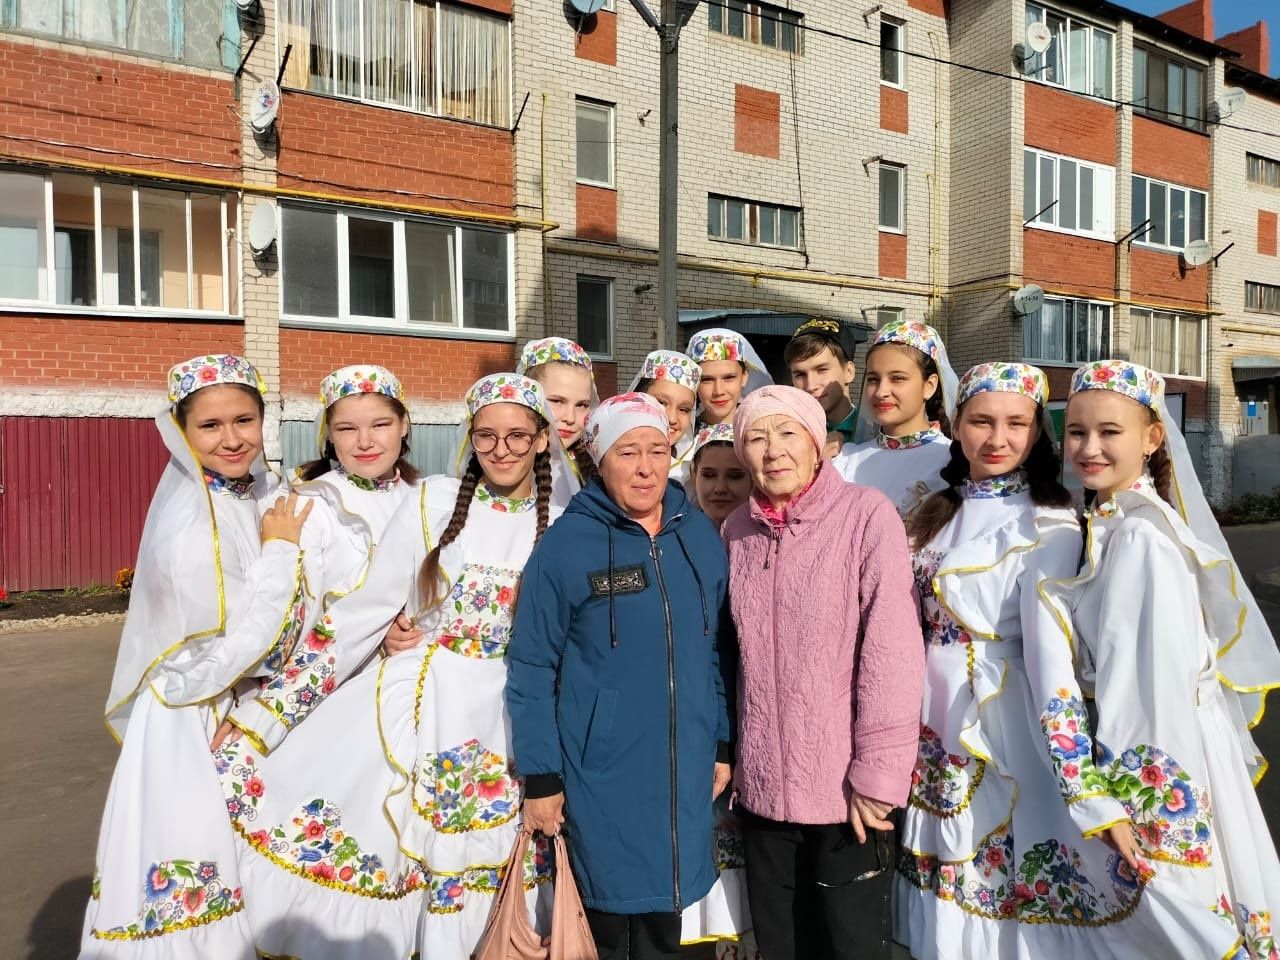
pixel 189 924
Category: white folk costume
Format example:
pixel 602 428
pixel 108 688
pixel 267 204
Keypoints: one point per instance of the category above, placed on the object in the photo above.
pixel 904 468
pixel 1169 643
pixel 681 370
pixel 211 608
pixel 993 865
pixel 534 354
pixel 397 842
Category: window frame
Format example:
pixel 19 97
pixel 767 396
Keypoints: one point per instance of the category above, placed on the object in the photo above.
pixel 1268 170
pixel 1163 115
pixel 612 110
pixel 1101 202
pixel 1169 189
pixel 754 13
pixel 46 300
pixel 1263 289
pixel 1138 313
pixel 899 52
pixel 751 214
pixel 610 312
pixel 901 169
pixel 1072 361
pixel 1036 73
pixel 400 322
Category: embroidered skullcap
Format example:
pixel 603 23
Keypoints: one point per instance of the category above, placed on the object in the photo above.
pixel 715 433
pixel 819 325
pixel 505 388
pixel 549 350
pixel 709 345
pixel 669 365
pixel 1131 379
pixel 359 379
pixel 912 333
pixel 788 401
pixel 1000 377
pixel 210 370
pixel 619 415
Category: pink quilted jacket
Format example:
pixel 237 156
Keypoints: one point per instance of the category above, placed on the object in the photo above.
pixel 832 669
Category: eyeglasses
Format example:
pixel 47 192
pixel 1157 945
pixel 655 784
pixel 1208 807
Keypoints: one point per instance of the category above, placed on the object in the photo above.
pixel 518 442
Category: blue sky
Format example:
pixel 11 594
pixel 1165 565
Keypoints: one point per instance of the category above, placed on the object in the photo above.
pixel 1228 16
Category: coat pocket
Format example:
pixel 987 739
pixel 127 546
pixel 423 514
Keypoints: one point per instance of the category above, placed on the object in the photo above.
pixel 597 750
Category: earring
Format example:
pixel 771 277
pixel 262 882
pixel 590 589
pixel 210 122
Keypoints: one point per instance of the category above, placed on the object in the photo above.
pixel 1146 458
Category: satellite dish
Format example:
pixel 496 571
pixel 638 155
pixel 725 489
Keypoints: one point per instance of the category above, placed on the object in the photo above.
pixel 587 7
pixel 1197 253
pixel 262 227
pixel 1028 300
pixel 266 104
pixel 1039 37
pixel 246 5
pixel 1231 100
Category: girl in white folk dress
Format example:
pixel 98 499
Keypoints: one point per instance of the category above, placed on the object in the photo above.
pixel 217 600
pixel 672 379
pixel 1170 645
pixel 382 825
pixel 908 397
pixel 995 864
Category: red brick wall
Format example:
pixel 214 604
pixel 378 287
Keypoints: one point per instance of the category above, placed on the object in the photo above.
pixel 1194 406
pixel 893 255
pixel 1195 18
pixel 74 351
pixel 1267 233
pixel 606 376
pixel 936 7
pixel 598 39
pixel 1254 46
pixel 430 369
pixel 1170 153
pixel 332 145
pixel 131 107
pixel 1059 383
pixel 1070 124
pixel 597 213
pixel 893 109
pixel 1161 277
pixel 493 6
pixel 1064 262
pixel 755 121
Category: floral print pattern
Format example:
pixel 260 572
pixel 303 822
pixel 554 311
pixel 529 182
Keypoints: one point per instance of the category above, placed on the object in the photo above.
pixel 1254 926
pixel 939 627
pixel 1129 379
pixel 909 441
pixel 237 488
pixel 1173 817
pixel 913 333
pixel 616 416
pixel 1065 725
pixel 995 487
pixel 1110 507
pixel 465 788
pixel 551 350
pixel 380 484
pixel 483 604
pixel 359 379
pixel 1000 377
pixel 191 375
pixel 943 783
pixel 309 676
pixel 177 895
pixel 290 630
pixel 712 433
pixel 669 365
pixel 504 504
pixel 445 890
pixel 705 347
pixel 505 388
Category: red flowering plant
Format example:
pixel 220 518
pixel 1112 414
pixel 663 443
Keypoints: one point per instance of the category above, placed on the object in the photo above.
pixel 4 598
pixel 124 578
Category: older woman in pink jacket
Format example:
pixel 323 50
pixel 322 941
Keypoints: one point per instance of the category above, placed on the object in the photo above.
pixel 829 686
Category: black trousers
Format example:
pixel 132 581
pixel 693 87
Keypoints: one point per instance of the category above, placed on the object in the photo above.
pixel 635 936
pixel 815 892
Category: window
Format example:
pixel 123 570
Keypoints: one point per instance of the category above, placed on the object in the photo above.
pixel 747 222
pixel 360 266
pixel 1262 170
pixel 892 197
pixel 757 23
pixel 69 240
pixel 595 143
pixel 892 37
pixel 204 32
pixel 1261 297
pixel 1168 89
pixel 428 57
pixel 1168 342
pixel 1067 331
pixel 595 315
pixel 886 315
pixel 1080 56
pixel 1178 215
pixel 1067 194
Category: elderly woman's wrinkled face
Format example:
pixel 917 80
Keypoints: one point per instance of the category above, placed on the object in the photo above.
pixel 781 456
pixel 634 470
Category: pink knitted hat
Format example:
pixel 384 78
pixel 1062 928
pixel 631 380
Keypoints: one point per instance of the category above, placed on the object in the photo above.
pixel 772 400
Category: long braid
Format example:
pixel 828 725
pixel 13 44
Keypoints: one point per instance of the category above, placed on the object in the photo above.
pixel 1160 465
pixel 429 578
pixel 542 486
pixel 586 466
pixel 924 523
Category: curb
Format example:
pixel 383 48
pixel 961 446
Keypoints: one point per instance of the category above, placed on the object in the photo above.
pixel 1266 585
pixel 60 622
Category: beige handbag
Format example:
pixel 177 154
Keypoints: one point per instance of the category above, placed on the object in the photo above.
pixel 508 935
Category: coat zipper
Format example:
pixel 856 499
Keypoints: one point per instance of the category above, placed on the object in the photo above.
pixel 655 553
pixel 777 682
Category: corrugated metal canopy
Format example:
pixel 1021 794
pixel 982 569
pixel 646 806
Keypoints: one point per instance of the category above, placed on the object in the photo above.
pixel 765 323
pixel 1255 368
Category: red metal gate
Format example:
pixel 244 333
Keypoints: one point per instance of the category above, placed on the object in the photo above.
pixel 74 493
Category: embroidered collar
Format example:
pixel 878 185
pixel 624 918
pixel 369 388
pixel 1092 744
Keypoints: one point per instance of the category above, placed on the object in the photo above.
pixel 996 487
pixel 364 483
pixel 909 441
pixel 504 504
pixel 240 489
pixel 1111 507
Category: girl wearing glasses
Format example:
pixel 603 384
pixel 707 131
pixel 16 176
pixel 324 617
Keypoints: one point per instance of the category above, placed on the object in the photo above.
pixel 396 847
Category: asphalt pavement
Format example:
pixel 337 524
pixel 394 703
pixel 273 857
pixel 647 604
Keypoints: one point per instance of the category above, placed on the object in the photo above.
pixel 58 757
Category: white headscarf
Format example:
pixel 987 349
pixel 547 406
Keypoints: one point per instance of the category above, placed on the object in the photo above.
pixel 620 414
pixel 169 608
pixel 719 343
